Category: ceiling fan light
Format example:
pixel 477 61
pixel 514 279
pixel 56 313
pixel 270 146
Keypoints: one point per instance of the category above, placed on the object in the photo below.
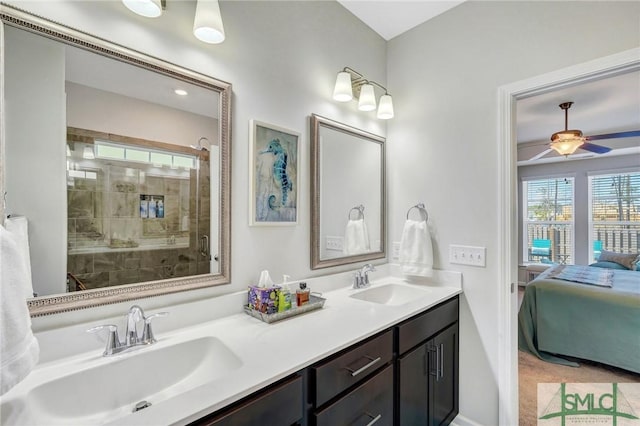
pixel 342 92
pixel 146 8
pixel 207 25
pixel 566 146
pixel 367 101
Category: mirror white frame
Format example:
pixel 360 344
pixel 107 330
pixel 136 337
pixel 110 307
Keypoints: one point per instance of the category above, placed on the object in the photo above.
pixel 78 300
pixel 317 262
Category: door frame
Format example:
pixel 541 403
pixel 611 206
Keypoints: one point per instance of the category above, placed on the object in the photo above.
pixel 607 66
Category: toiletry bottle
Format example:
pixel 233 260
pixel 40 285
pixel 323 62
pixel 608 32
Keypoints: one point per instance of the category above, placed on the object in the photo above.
pixel 284 295
pixel 302 294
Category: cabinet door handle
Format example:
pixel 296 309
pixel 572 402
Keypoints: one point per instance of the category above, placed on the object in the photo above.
pixel 433 361
pixel 374 418
pixel 361 369
pixel 441 360
pixel 438 360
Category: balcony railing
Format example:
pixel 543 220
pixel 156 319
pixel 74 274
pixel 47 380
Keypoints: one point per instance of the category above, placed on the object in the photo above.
pixel 557 236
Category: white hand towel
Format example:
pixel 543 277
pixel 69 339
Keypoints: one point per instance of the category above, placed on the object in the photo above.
pixel 19 227
pixel 416 251
pixel 19 350
pixel 356 237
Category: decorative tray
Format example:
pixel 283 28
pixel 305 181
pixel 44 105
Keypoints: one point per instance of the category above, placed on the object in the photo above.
pixel 315 302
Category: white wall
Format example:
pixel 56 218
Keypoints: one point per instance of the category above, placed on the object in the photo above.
pixel 282 59
pixel 36 168
pixel 580 170
pixel 93 109
pixel 443 146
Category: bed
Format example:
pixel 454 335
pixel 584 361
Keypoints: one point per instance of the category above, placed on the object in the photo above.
pixel 584 320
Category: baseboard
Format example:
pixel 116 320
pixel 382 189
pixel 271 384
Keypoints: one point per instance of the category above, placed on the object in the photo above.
pixel 461 420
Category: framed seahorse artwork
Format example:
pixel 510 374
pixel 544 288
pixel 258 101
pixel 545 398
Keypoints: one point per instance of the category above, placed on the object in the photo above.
pixel 274 161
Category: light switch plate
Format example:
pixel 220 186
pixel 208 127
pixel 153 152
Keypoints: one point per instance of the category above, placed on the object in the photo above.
pixel 395 250
pixel 334 243
pixel 467 255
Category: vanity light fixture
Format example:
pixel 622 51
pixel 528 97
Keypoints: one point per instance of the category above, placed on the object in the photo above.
pixel 146 8
pixel 207 23
pixel 350 82
pixel 87 153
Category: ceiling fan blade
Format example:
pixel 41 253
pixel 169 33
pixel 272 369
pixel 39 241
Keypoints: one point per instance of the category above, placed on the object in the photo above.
pixel 629 134
pixel 598 149
pixel 542 154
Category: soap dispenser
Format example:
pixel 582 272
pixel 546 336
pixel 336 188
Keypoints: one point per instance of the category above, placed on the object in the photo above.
pixel 284 295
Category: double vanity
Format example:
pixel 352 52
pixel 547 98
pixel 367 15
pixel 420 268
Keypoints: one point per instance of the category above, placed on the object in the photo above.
pixel 368 355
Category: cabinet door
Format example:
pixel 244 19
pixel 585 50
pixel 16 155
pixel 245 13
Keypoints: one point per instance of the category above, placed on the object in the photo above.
pixel 443 387
pixel 413 387
pixel 279 405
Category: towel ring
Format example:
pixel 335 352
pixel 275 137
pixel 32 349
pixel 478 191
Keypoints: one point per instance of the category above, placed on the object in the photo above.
pixel 421 209
pixel 359 209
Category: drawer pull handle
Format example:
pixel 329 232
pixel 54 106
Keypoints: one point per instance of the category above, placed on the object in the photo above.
pixel 361 369
pixel 374 418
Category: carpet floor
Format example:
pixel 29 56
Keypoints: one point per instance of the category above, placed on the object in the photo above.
pixel 532 370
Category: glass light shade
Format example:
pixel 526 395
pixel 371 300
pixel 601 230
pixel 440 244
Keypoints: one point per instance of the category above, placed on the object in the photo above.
pixel 87 153
pixel 566 146
pixel 342 92
pixel 207 25
pixel 385 108
pixel 367 101
pixel 146 8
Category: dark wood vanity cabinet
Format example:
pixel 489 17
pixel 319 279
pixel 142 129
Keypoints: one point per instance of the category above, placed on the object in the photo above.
pixel 354 386
pixel 279 404
pixel 406 375
pixel 427 367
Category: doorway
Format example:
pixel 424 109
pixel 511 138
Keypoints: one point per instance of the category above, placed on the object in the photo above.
pixel 507 220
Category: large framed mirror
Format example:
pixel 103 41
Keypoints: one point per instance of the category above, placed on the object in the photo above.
pixel 119 163
pixel 347 225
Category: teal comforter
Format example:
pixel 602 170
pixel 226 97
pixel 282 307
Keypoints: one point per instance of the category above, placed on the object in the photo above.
pixel 601 324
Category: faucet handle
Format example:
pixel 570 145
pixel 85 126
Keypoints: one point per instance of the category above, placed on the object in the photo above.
pixel 113 340
pixel 147 335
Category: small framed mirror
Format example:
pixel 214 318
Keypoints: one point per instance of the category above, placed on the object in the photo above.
pixel 347 225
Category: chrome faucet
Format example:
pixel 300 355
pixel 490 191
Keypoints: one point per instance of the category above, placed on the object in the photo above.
pixel 361 277
pixel 139 332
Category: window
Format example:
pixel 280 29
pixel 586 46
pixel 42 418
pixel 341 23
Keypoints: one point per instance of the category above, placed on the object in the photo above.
pixel 614 220
pixel 548 222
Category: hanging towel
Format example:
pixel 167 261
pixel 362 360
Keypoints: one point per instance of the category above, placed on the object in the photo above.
pixel 18 226
pixel 356 237
pixel 416 252
pixel 19 349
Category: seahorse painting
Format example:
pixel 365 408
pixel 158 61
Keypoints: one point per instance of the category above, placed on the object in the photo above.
pixel 279 172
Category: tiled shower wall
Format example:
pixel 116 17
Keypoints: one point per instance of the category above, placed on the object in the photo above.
pixel 104 216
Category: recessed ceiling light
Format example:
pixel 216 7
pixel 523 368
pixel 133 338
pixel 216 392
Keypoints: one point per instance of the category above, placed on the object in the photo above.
pixel 181 92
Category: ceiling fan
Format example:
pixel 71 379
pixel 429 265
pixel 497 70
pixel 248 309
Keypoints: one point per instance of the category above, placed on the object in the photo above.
pixel 567 141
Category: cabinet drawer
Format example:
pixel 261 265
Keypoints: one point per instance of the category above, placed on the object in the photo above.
pixel 422 327
pixel 345 370
pixel 280 404
pixel 368 404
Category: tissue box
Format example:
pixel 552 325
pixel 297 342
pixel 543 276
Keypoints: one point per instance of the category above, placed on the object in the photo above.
pixel 264 299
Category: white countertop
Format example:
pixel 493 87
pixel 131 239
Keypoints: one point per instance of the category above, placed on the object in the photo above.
pixel 267 352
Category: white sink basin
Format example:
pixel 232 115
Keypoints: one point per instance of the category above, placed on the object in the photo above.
pixel 111 390
pixel 391 294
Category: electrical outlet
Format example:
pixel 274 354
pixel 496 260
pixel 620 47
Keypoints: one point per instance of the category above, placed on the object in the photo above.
pixel 334 243
pixel 467 255
pixel 395 250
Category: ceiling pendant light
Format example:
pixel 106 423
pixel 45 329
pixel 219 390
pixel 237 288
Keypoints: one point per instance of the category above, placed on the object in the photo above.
pixel 146 8
pixel 367 101
pixel 207 25
pixel 342 92
pixel 385 108
pixel 566 141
